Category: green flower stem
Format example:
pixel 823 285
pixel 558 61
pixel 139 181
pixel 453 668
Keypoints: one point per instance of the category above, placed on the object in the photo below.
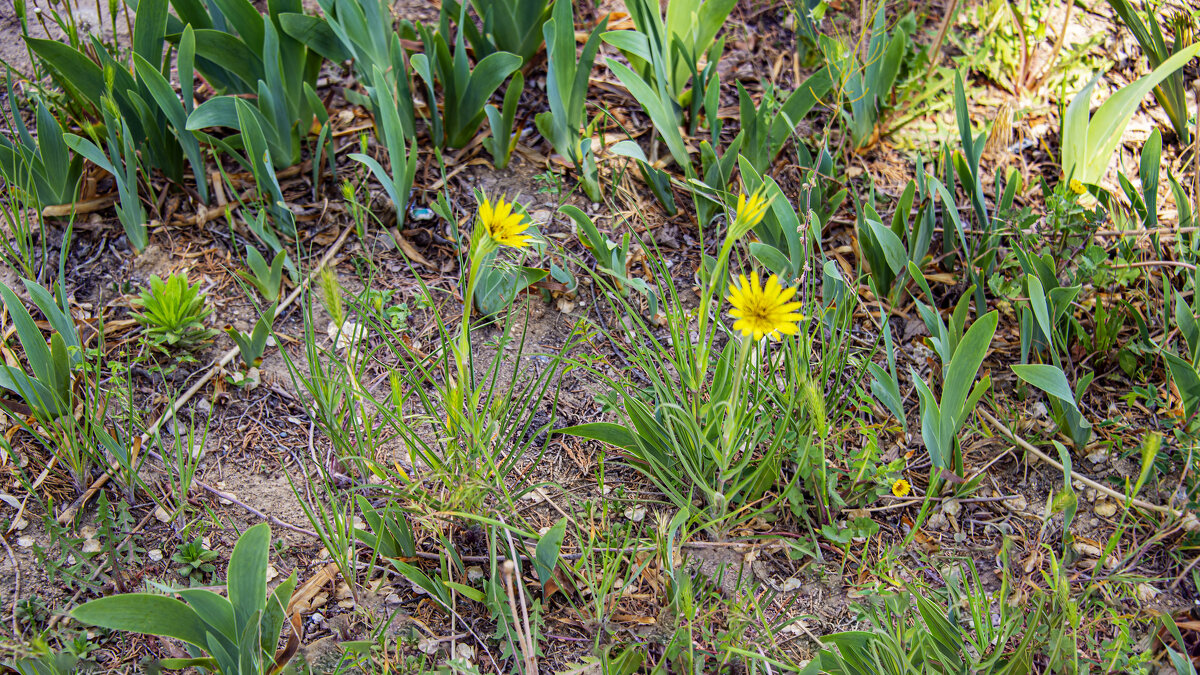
pixel 704 343
pixel 480 248
pixel 733 407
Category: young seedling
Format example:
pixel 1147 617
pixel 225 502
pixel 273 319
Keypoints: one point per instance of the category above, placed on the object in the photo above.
pixel 266 279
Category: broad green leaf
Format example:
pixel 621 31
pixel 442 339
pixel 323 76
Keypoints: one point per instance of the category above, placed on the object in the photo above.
pixel 274 614
pixel 145 613
pixel 35 394
pixel 206 662
pixel 473 594
pixel 1037 302
pixel 36 351
pixel 630 41
pixel 1051 380
pixel 59 320
pixel 1048 378
pixel 771 258
pixel 149 30
pixel 170 105
pixel 885 388
pixel 220 111
pixel 185 65
pixel 380 174
pixel 665 121
pixel 244 18
pixel 487 77
pixel 605 432
pixel 1188 382
pixel 232 55
pixel 215 609
pixel 247 575
pixel 893 249
pixel 964 367
pixel 939 446
pixel 316 34
pixel 75 70
pixel 61 170
pixel 548 547
pixel 1086 155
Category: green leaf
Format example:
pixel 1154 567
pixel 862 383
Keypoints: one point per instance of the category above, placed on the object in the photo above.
pixel 145 613
pixel 663 118
pixel 1049 379
pixel 1188 382
pixel 1041 311
pixel 964 367
pixel 170 105
pixel 75 72
pixel 206 662
pixel 216 610
pixel 548 547
pixel 316 34
pixel 893 248
pixel 771 258
pixel 36 351
pixel 1087 149
pixel 605 432
pixel 472 593
pixel 247 575
pixel 220 111
pixel 231 54
pixel 274 613
pixel 149 30
pixel 244 18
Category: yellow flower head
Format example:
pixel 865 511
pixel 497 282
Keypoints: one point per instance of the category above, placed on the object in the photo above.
pixel 1077 186
pixel 505 227
pixel 750 212
pixel 763 310
pixel 901 488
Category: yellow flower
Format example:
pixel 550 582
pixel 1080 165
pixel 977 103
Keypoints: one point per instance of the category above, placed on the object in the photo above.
pixel 1077 186
pixel 901 488
pixel 505 227
pixel 750 212
pixel 766 310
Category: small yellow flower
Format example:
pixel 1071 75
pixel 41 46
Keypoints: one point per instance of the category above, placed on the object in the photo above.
pixel 1077 186
pixel 505 227
pixel 901 488
pixel 751 211
pixel 763 310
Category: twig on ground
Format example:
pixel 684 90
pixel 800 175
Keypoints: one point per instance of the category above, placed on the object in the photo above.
pixel 1012 436
pixel 69 514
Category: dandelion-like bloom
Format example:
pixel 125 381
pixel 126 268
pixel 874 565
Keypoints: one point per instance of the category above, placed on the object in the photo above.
pixel 763 310
pixel 1077 186
pixel 901 488
pixel 505 227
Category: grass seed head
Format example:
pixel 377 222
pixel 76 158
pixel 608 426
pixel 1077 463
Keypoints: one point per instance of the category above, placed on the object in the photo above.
pixel 1001 134
pixel 331 296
